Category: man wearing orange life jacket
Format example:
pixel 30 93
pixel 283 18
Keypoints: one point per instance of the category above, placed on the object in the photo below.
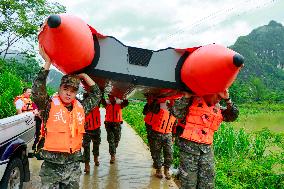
pixel 93 133
pixel 24 104
pixel 159 123
pixel 203 115
pixel 113 121
pixel 63 121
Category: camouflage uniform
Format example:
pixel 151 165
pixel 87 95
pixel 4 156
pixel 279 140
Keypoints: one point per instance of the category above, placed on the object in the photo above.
pixel 113 130
pixel 197 169
pixel 37 132
pixel 159 143
pixel 60 170
pixel 95 137
pixel 149 138
pixel 148 129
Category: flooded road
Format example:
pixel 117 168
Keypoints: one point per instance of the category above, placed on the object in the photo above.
pixel 132 169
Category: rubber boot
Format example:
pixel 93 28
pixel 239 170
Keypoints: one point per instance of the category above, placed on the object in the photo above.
pixel 96 160
pixel 158 173
pixel 112 159
pixel 87 167
pixel 167 173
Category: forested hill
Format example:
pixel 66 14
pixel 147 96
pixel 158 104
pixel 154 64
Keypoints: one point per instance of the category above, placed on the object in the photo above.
pixel 263 50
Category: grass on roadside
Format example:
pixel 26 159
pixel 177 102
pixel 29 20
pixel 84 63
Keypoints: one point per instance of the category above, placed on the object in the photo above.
pixel 243 160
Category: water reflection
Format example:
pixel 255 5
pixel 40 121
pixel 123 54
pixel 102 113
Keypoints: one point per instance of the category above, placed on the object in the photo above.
pixel 132 169
pixel 112 180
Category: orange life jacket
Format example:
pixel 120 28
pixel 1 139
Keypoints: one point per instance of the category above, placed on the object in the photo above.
pixel 201 122
pixel 28 104
pixel 162 122
pixel 64 129
pixel 93 119
pixel 113 113
pixel 148 118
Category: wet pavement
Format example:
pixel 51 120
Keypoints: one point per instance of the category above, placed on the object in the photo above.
pixel 132 169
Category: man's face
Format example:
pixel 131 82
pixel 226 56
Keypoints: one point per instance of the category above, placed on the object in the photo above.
pixel 67 94
pixel 28 93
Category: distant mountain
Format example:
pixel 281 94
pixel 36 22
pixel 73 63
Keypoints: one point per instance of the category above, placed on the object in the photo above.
pixel 263 50
pixel 54 78
pixel 15 54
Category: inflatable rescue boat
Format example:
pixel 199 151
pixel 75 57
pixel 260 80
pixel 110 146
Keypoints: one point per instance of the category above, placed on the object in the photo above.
pixel 125 71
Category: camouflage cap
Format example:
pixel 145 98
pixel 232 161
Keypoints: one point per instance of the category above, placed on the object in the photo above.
pixel 70 80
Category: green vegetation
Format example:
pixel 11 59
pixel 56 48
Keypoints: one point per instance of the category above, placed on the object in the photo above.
pixel 19 24
pixel 243 160
pixel 10 87
pixel 14 76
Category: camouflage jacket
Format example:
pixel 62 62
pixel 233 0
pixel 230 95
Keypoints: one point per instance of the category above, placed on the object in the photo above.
pixel 43 101
pixel 180 110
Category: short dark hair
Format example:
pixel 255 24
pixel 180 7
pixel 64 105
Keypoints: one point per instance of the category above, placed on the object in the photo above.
pixel 25 89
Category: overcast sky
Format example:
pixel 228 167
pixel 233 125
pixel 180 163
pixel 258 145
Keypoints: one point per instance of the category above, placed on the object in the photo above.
pixel 176 23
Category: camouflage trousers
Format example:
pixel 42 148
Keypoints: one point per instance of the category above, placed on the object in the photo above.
pixel 148 130
pixel 196 165
pixel 113 130
pixel 37 132
pixel 60 176
pixel 95 137
pixel 161 145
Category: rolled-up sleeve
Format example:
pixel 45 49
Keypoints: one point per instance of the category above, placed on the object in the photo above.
pixel 93 99
pixel 231 113
pixel 180 107
pixel 39 92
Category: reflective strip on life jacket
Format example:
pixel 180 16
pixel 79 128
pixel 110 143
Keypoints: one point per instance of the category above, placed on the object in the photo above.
pixel 93 119
pixel 113 113
pixel 201 122
pixel 64 129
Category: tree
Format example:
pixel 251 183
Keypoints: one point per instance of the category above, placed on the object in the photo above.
pixel 10 86
pixel 26 69
pixel 259 89
pixel 20 21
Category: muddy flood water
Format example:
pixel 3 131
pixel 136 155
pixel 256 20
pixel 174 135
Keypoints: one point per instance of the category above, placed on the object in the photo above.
pixel 132 169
